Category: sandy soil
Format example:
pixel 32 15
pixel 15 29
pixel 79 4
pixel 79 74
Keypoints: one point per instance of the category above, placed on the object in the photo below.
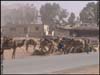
pixel 20 53
pixel 93 69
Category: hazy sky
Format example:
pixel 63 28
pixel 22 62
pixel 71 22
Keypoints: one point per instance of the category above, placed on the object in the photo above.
pixel 71 6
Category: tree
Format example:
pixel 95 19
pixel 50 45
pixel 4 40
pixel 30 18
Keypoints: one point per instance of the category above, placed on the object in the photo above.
pixel 63 14
pixel 31 13
pixel 24 14
pixel 71 19
pixel 89 13
pixel 5 15
pixel 51 13
pixel 97 12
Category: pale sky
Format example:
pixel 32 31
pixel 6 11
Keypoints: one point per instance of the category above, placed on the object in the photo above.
pixel 71 6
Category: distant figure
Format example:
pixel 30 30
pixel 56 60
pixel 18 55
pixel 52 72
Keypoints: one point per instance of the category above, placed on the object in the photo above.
pixel 87 46
pixel 61 46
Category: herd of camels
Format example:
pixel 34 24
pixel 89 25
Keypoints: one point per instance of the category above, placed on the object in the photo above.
pixel 47 45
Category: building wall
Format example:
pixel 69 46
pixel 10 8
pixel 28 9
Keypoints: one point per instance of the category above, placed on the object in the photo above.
pixel 85 33
pixel 37 30
pixel 76 33
pixel 61 33
pixel 21 30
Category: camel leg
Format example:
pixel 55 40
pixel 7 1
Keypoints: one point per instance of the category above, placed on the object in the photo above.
pixel 24 51
pixel 81 50
pixel 34 47
pixel 27 47
pixel 76 50
pixel 68 50
pixel 56 50
pixel 42 49
pixel 87 51
pixel 53 49
pixel 50 50
pixel 2 54
pixel 13 54
pixel 64 50
pixel 94 50
pixel 59 50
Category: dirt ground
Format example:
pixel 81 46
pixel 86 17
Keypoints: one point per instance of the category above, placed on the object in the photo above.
pixel 93 69
pixel 20 53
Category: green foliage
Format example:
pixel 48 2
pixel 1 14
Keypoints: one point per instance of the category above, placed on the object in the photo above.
pixel 24 14
pixel 71 19
pixel 49 12
pixel 89 13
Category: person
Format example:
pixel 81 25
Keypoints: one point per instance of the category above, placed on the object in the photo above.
pixel 61 45
pixel 87 46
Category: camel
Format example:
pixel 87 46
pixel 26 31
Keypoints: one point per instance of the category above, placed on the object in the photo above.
pixel 10 43
pixel 47 43
pixel 30 42
pixel 72 45
pixel 78 46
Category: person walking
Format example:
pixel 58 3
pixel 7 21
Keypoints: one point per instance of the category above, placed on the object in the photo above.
pixel 87 46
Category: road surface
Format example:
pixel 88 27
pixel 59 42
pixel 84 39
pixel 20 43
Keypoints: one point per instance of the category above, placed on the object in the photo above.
pixel 49 64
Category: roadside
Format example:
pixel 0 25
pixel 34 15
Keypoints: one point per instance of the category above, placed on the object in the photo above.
pixel 93 69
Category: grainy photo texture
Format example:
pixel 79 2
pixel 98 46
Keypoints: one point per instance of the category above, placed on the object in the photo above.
pixel 50 37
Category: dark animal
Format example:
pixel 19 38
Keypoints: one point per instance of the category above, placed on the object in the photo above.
pixel 64 45
pixel 30 42
pixel 10 43
pixel 61 46
pixel 72 45
pixel 47 43
pixel 88 47
pixel 78 46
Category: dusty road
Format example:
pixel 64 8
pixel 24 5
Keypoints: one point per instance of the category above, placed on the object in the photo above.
pixel 92 69
pixel 49 64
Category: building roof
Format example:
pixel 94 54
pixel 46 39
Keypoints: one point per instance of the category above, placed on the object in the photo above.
pixel 81 28
pixel 87 28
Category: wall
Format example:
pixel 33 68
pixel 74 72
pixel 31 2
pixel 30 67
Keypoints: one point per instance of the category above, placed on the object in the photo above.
pixel 61 33
pixel 21 30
